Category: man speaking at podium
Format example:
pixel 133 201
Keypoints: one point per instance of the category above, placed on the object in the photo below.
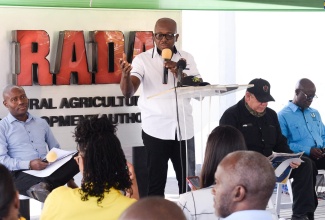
pixel 166 122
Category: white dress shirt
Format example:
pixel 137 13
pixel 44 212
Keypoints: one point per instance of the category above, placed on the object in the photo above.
pixel 159 114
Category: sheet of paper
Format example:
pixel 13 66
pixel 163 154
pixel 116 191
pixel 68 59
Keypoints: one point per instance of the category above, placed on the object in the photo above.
pixel 53 166
pixel 284 165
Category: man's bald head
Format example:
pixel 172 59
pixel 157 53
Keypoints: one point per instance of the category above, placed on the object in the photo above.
pixel 15 99
pixel 244 181
pixel 167 22
pixel 305 83
pixel 153 208
pixel 8 88
pixel 305 92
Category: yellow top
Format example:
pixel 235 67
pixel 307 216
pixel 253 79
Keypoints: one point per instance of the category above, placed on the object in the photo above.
pixel 65 203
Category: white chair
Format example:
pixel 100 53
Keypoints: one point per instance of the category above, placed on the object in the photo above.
pixel 24 206
pixel 320 181
pixel 278 204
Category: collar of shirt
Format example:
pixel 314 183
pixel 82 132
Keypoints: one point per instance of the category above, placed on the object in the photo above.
pixel 250 214
pixel 157 52
pixel 294 107
pixel 12 118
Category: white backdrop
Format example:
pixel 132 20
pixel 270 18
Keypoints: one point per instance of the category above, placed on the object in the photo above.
pixel 54 20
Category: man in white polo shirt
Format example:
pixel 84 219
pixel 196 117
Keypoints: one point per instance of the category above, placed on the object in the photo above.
pixel 166 124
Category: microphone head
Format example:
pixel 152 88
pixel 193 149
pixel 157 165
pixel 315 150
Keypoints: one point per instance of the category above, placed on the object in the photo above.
pixel 181 64
pixel 166 54
pixel 51 156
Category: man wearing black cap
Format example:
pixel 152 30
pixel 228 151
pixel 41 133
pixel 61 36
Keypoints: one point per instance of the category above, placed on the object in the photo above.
pixel 261 129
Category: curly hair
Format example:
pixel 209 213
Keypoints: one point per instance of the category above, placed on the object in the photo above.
pixel 104 160
pixel 7 191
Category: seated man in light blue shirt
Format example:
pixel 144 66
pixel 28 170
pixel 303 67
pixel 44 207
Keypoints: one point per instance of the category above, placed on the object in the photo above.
pixel 302 125
pixel 24 140
pixel 244 183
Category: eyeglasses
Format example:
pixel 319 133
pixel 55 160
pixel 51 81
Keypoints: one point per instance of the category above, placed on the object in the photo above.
pixel 309 97
pixel 159 36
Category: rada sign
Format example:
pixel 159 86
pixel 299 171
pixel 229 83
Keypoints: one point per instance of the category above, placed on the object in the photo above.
pixel 75 61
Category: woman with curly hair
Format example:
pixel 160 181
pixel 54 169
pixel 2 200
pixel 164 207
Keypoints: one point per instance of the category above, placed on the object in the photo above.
pixel 106 177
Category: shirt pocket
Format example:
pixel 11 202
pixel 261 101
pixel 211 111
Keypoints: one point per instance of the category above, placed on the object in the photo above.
pixel 297 131
pixel 269 135
pixel 251 134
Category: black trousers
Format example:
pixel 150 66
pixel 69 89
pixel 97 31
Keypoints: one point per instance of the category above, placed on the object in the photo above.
pixel 60 177
pixel 158 153
pixel 320 164
pixel 303 187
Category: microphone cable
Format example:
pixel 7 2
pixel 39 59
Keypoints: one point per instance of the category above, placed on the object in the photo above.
pixel 183 184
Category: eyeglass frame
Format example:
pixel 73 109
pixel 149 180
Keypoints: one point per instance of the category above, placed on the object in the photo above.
pixel 170 36
pixel 308 98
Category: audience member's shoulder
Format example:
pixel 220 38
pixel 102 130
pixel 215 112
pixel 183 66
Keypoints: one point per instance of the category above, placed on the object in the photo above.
pixel 270 111
pixel 232 109
pixel 39 119
pixel 3 122
pixel 202 193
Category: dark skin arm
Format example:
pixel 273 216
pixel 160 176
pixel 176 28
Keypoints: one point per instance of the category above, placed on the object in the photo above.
pixel 128 84
pixel 37 164
pixel 316 153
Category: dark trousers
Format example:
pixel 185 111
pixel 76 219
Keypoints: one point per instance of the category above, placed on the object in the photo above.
pixel 303 187
pixel 158 153
pixel 61 176
pixel 320 164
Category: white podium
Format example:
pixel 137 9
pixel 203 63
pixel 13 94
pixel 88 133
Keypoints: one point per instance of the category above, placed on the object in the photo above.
pixel 201 91
pixel 198 93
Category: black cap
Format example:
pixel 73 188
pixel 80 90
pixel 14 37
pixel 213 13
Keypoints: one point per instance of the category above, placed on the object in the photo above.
pixel 261 90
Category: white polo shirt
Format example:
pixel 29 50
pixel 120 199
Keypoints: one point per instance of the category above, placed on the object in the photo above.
pixel 159 114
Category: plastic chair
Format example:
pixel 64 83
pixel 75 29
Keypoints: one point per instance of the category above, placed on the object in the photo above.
pixel 277 205
pixel 24 206
pixel 320 181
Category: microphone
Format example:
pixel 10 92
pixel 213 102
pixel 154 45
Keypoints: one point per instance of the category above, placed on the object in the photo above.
pixel 51 157
pixel 181 65
pixel 166 55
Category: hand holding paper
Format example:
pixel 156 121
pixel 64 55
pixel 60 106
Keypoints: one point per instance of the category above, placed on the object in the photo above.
pixel 284 165
pixel 56 158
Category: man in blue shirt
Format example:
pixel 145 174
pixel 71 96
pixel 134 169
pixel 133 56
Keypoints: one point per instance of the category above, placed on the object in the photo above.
pixel 302 125
pixel 261 129
pixel 24 140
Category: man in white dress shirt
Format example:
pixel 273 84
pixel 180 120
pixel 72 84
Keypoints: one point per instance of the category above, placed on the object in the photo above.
pixel 166 124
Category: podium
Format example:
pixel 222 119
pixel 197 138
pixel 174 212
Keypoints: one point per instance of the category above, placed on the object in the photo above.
pixel 197 92
pixel 201 91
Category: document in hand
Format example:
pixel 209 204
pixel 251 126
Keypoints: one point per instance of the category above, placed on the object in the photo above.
pixel 281 163
pixel 63 156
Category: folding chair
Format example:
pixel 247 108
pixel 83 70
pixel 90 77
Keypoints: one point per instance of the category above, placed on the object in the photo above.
pixel 277 205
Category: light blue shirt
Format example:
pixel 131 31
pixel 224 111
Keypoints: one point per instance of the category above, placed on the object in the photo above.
pixel 21 142
pixel 250 215
pixel 303 130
